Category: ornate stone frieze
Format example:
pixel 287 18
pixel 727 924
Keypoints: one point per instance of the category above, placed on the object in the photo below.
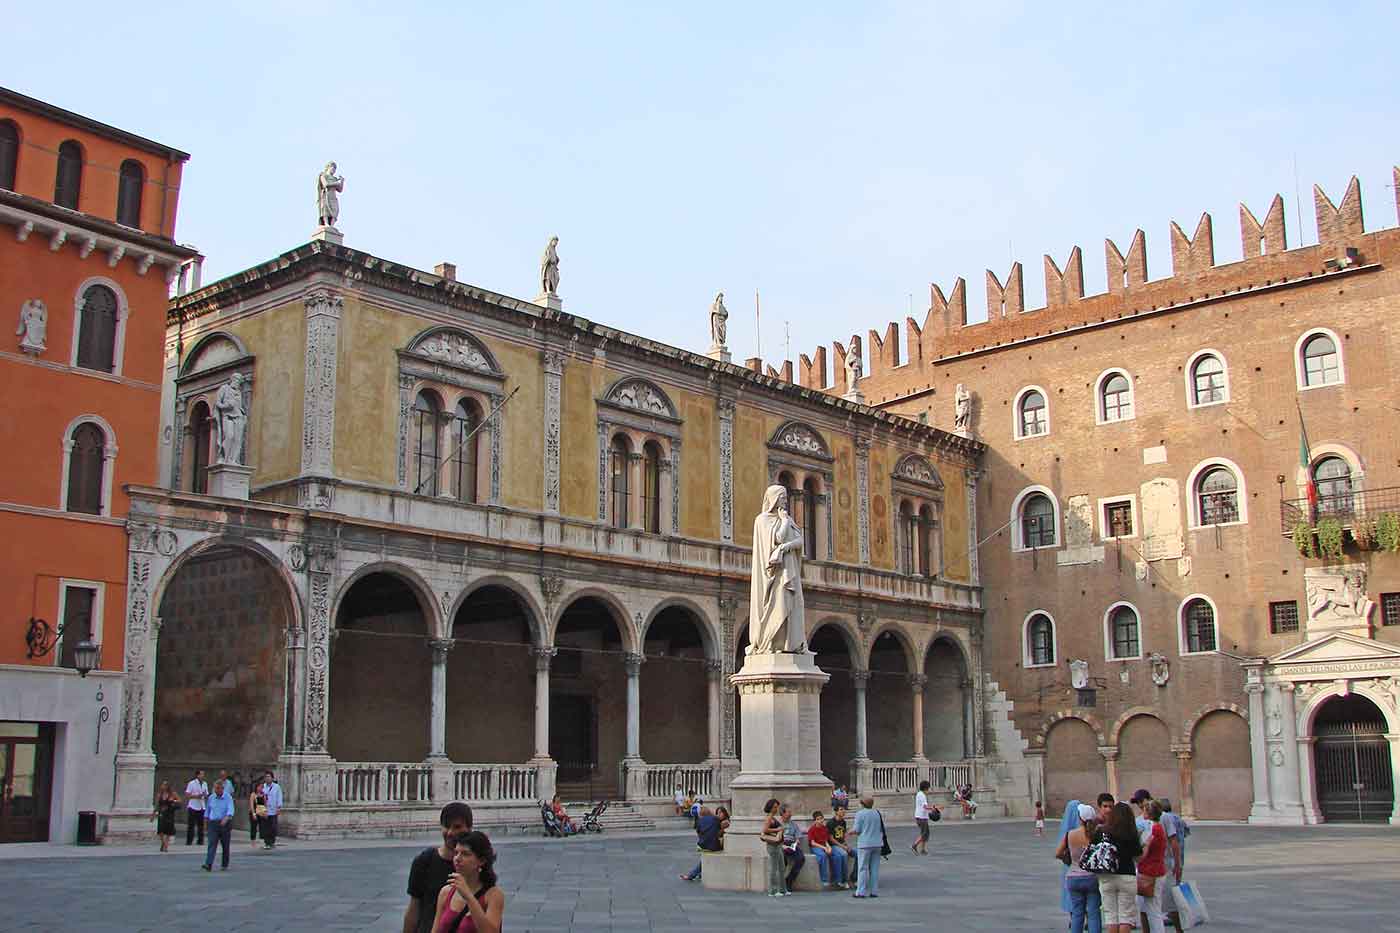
pixel 495 429
pixel 780 686
pixel 800 439
pixel 456 348
pixel 405 419
pixel 602 471
pixel 675 486
pixel 553 377
pixel 863 497
pixel 726 469
pixel 916 468
pixel 318 410
pixel 320 580
pixel 970 484
pixel 641 395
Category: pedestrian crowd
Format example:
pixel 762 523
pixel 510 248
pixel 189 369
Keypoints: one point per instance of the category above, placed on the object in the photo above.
pixel 1120 862
pixel 209 811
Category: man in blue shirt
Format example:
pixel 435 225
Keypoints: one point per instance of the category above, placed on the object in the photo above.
pixel 869 830
pixel 218 814
pixel 272 792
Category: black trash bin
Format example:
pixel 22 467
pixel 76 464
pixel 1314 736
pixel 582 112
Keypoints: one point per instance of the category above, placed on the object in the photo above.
pixel 87 827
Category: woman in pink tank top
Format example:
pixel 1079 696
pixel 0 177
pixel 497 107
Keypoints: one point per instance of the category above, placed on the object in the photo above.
pixel 471 902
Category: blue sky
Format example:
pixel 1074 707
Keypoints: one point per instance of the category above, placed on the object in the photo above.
pixel 837 158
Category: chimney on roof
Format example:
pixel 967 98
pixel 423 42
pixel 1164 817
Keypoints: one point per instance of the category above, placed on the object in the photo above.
pixel 446 270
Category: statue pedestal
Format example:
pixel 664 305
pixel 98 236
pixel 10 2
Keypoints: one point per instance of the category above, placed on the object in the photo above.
pixel 720 353
pixel 552 302
pixel 855 395
pixel 229 480
pixel 779 702
pixel 330 235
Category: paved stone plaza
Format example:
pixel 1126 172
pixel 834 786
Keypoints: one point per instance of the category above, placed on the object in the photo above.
pixel 992 876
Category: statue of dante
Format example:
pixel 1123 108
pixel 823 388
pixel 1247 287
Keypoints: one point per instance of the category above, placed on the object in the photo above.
pixel 719 321
pixel 962 409
pixel 328 186
pixel 776 615
pixel 33 326
pixel 229 405
pixel 549 268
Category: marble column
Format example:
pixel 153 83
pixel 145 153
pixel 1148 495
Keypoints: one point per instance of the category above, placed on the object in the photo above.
pixel 917 683
pixel 969 736
pixel 437 717
pixel 543 658
pixel 634 490
pixel 1110 759
pixel 1262 809
pixel 633 664
pixel 861 680
pixel 714 672
pixel 1186 806
pixel 296 697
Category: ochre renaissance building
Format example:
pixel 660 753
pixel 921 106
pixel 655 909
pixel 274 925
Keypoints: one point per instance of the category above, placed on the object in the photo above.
pixel 473 547
pixel 87 213
pixel 1190 503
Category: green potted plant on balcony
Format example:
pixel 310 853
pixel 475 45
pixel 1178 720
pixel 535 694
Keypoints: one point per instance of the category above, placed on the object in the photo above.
pixel 1329 538
pixel 1388 532
pixel 1303 539
pixel 1363 532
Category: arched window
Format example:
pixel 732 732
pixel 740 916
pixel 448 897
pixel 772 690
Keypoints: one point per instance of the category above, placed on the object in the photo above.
pixel 1037 521
pixel 907 535
pixel 1123 633
pixel 809 518
pixel 1217 497
pixel 1031 415
pixel 426 434
pixel 925 541
pixel 1322 364
pixel 9 153
pixel 618 456
pixel 1333 478
pixel 86 463
pixel 1115 398
pixel 130 186
pixel 463 459
pixel 97 329
pixel 1040 640
pixel 1207 380
pixel 1198 626
pixel 68 181
pixel 651 487
pixel 202 431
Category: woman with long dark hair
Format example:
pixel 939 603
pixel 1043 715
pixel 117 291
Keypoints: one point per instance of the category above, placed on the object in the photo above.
pixel 471 902
pixel 167 802
pixel 1112 855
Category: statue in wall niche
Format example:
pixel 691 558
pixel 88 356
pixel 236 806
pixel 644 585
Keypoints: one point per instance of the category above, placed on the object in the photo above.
pixel 33 327
pixel 229 406
pixel 775 597
pixel 329 185
pixel 962 409
pixel 1079 674
pixel 719 321
pixel 549 268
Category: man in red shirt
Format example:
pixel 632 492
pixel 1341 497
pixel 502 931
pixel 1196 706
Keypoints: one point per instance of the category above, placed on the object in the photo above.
pixel 831 860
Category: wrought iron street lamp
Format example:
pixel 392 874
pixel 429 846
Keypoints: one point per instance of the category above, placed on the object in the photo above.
pixel 85 656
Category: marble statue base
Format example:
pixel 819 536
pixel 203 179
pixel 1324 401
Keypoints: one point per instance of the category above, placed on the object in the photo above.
pixel 229 480
pixel 855 395
pixel 552 302
pixel 720 353
pixel 780 719
pixel 330 235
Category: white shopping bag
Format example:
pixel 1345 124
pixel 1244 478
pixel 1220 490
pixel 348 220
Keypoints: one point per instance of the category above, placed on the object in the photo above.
pixel 1190 906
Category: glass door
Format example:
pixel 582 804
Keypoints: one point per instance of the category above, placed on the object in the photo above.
pixel 26 754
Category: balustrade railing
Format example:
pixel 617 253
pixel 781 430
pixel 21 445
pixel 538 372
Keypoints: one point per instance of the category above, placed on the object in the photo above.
pixel 662 780
pixel 373 782
pixel 903 777
pixel 495 782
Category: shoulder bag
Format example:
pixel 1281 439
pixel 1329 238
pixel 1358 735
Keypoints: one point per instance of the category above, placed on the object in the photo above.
pixel 885 850
pixel 1100 856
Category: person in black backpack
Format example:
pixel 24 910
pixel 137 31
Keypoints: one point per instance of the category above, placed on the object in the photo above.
pixel 1111 855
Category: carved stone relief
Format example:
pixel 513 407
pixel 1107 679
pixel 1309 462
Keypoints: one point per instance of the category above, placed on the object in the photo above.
pixel 642 396
pixel 726 469
pixel 863 497
pixel 318 413
pixel 553 372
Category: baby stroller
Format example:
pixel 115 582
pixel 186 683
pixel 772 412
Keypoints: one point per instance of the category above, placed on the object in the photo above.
pixel 551 822
pixel 592 820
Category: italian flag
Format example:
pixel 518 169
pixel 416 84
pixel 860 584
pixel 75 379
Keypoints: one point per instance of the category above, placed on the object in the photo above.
pixel 1305 460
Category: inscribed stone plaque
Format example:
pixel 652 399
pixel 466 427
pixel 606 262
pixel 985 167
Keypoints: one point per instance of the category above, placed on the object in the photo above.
pixel 1162 537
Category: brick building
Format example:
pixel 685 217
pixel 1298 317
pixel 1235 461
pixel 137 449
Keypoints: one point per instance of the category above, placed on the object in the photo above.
pixel 1152 608
pixel 89 218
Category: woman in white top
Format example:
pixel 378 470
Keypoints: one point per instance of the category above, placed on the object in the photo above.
pixel 922 809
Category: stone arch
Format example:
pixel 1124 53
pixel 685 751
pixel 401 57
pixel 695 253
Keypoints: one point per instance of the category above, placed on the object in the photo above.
pixel 427 602
pixel 208 346
pixel 1074 768
pixel 214 542
pixel 1188 728
pixel 626 628
pixel 1132 712
pixel 912 656
pixel 800 438
pixel 1220 762
pixel 1308 713
pixel 849 634
pixel 536 615
pixel 453 344
pixel 949 638
pixel 948 698
pixel 705 624
pixel 1087 718
pixel 642 394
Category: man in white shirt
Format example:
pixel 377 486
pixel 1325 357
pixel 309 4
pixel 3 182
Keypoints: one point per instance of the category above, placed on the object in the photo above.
pixel 195 793
pixel 272 791
pixel 921 812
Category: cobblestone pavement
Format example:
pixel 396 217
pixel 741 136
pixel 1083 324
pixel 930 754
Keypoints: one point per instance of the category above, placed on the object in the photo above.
pixel 983 876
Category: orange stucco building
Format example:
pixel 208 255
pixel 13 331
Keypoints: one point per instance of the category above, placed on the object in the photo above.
pixel 86 258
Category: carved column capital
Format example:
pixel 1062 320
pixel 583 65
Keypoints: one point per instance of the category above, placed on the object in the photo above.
pixel 544 654
pixel 553 360
pixel 440 648
pixel 860 679
pixel 1182 751
pixel 714 668
pixel 632 663
pixel 728 605
pixel 1109 752
pixel 917 682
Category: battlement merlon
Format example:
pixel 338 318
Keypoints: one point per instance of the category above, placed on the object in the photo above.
pixel 946 330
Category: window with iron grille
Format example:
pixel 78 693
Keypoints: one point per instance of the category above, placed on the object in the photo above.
pixel 1217 497
pixel 1390 609
pixel 1037 521
pixel 1118 519
pixel 1041 635
pixel 1283 617
pixel 1200 626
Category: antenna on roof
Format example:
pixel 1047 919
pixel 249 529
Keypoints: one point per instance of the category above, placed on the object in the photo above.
pixel 757 325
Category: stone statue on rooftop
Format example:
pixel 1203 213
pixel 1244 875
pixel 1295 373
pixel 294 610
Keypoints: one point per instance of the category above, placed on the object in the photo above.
pixel 776 613
pixel 719 321
pixel 329 185
pixel 854 370
pixel 962 410
pixel 549 268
